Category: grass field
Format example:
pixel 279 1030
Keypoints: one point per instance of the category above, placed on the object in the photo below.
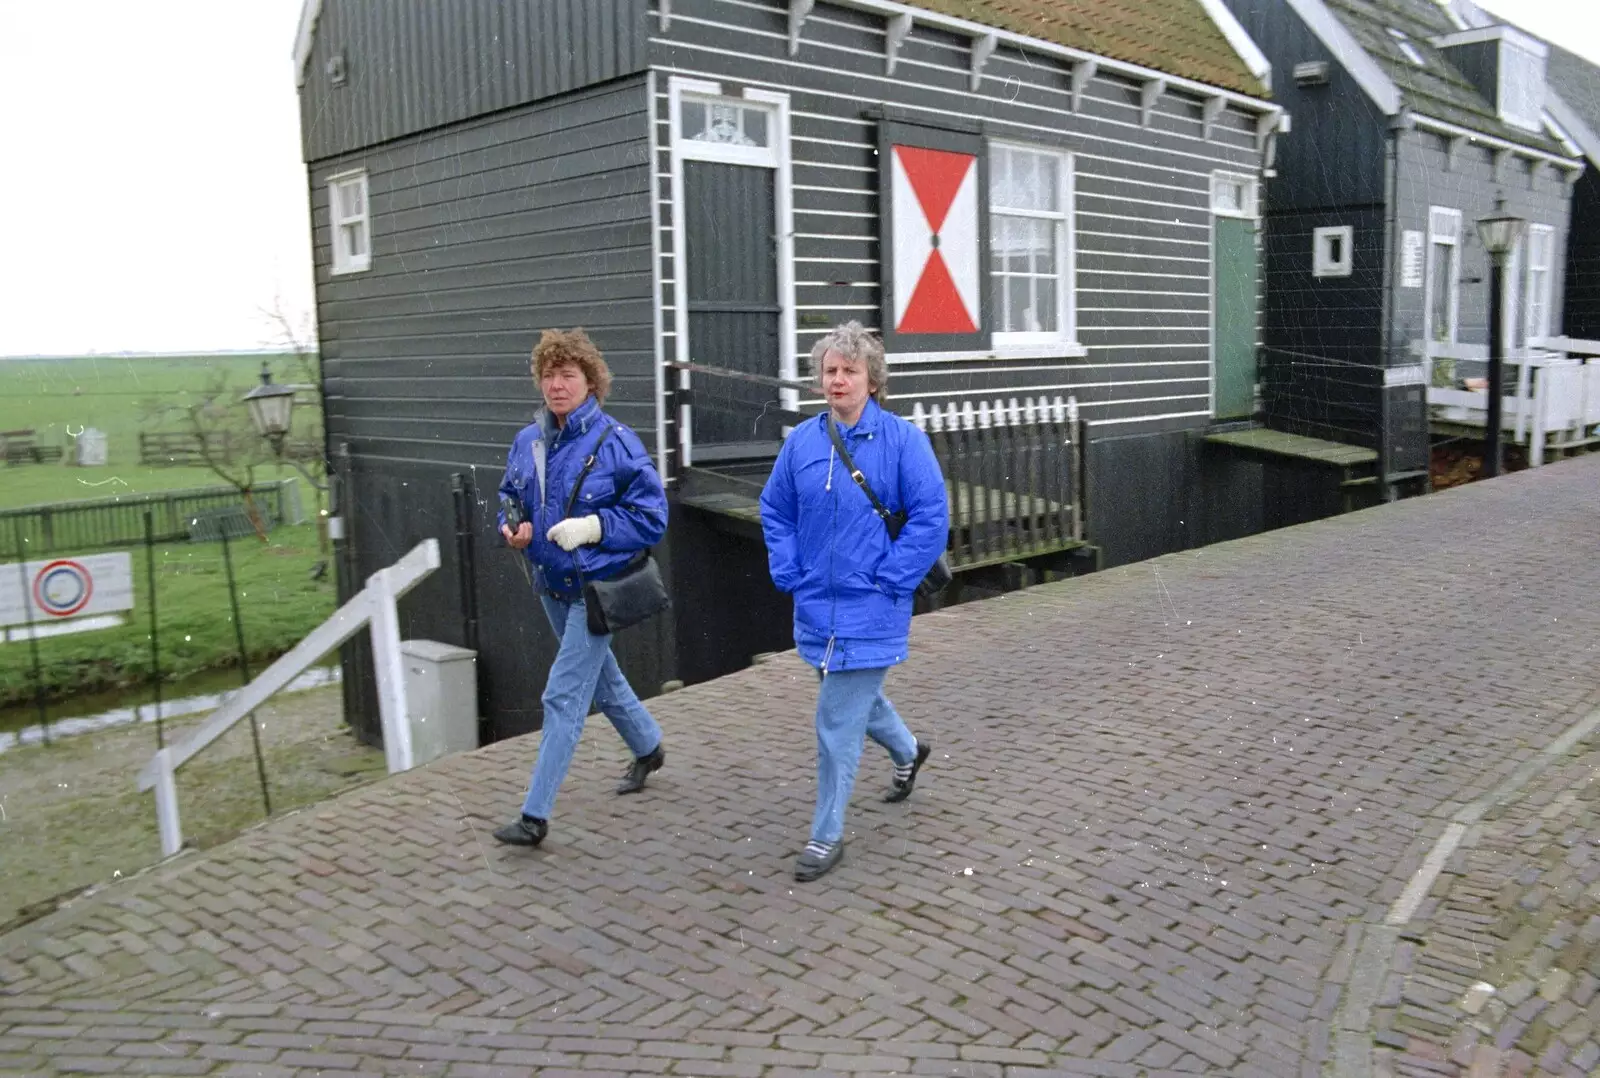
pixel 60 397
pixel 280 602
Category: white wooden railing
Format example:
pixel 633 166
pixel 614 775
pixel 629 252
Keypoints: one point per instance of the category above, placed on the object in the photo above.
pixel 1553 399
pixel 373 606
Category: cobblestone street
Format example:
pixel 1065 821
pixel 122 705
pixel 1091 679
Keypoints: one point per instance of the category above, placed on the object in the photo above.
pixel 1173 824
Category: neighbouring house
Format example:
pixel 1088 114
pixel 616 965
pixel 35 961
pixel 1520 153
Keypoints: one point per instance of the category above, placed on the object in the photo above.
pixel 1409 127
pixel 1049 208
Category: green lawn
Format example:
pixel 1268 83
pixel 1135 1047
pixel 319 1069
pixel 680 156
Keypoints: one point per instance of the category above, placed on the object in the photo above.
pixel 59 397
pixel 279 604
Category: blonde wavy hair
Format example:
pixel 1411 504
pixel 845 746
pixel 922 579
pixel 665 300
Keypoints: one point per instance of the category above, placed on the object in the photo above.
pixel 564 347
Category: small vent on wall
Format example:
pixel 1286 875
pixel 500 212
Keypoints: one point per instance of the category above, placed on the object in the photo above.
pixel 1311 73
pixel 335 68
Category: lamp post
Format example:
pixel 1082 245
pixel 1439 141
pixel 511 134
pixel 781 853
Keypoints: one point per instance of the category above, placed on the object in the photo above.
pixel 1499 232
pixel 270 410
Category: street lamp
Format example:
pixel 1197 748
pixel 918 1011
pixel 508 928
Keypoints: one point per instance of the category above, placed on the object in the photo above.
pixel 1499 232
pixel 270 406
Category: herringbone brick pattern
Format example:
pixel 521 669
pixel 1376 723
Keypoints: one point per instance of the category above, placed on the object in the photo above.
pixel 1159 798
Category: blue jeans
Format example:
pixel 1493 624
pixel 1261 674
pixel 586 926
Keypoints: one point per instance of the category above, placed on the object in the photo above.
pixel 851 704
pixel 584 672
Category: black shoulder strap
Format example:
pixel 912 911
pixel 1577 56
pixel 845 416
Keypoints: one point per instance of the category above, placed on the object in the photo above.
pixel 855 473
pixel 588 466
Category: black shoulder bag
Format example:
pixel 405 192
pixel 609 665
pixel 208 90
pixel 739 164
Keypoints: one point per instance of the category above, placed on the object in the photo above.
pixel 939 575
pixel 635 594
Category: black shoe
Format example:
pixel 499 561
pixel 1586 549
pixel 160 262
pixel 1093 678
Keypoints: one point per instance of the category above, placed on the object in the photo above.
pixel 816 860
pixel 638 771
pixel 525 831
pixel 899 791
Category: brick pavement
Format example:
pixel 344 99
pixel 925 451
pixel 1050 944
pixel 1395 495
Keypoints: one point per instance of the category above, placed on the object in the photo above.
pixel 1163 801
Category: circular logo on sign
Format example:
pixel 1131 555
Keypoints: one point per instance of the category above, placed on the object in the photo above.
pixel 62 588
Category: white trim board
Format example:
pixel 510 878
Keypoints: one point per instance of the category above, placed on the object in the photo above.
pixel 305 39
pixel 1241 41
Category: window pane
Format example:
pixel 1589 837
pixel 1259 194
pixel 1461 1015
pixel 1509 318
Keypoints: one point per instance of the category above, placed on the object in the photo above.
pixel 730 124
pixel 1041 245
pixel 348 196
pixel 755 126
pixel 1044 313
pixel 694 120
pixel 1020 180
pixel 1021 301
pixel 1443 271
pixel 1228 196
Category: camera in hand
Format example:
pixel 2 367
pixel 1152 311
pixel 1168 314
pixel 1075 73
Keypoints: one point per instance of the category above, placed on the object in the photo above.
pixel 512 508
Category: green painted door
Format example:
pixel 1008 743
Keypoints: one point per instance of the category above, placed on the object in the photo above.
pixel 1233 329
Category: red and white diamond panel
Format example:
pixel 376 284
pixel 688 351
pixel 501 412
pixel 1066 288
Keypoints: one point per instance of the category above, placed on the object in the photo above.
pixel 935 241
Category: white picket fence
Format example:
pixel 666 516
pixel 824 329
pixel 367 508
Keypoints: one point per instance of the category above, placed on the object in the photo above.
pixel 1553 401
pixel 374 607
pixel 999 413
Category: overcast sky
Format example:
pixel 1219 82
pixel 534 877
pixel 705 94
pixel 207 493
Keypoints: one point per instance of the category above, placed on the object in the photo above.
pixel 153 197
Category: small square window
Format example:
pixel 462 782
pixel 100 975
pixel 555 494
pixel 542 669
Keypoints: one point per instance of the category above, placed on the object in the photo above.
pixel 1331 255
pixel 351 221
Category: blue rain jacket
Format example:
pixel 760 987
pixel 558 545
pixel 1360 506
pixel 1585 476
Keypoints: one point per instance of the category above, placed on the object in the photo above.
pixel 623 489
pixel 826 546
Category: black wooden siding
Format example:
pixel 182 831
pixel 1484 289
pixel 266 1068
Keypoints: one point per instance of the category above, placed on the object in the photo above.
pixel 1143 217
pixel 483 234
pixel 1323 341
pixel 412 67
pixel 1333 156
pixel 1583 260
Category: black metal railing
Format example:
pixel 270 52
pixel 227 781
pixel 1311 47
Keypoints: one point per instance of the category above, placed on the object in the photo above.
pixel 119 521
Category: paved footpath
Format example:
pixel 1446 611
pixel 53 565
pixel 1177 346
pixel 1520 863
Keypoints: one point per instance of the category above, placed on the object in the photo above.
pixel 1173 824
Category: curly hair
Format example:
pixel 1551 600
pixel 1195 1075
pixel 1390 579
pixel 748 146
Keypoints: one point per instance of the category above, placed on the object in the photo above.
pixel 857 344
pixel 564 347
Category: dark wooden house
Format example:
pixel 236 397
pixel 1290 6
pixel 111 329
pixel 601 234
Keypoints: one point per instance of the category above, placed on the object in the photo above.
pixel 1048 207
pixel 1409 127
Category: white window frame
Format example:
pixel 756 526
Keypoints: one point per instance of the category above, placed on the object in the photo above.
pixel 343 260
pixel 775 155
pixel 1322 262
pixel 1538 296
pixel 1451 239
pixel 1248 208
pixel 1066 252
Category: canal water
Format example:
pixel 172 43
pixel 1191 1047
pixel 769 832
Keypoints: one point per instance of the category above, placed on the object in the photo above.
pixel 193 695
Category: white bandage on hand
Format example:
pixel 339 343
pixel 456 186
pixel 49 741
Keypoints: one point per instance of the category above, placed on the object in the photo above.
pixel 574 532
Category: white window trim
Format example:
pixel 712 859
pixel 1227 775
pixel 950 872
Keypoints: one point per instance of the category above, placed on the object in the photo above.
pixel 1321 265
pixel 1454 241
pixel 342 262
pixel 1533 334
pixel 1251 210
pixel 1066 253
pixel 776 155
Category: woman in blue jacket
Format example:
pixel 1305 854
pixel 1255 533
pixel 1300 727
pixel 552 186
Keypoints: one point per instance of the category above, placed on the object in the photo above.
pixel 852 584
pixel 621 509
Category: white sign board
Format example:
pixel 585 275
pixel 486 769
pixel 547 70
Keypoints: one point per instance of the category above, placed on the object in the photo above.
pixel 1411 259
pixel 62 588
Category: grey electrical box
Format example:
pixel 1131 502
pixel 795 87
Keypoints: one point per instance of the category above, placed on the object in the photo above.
pixel 441 698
